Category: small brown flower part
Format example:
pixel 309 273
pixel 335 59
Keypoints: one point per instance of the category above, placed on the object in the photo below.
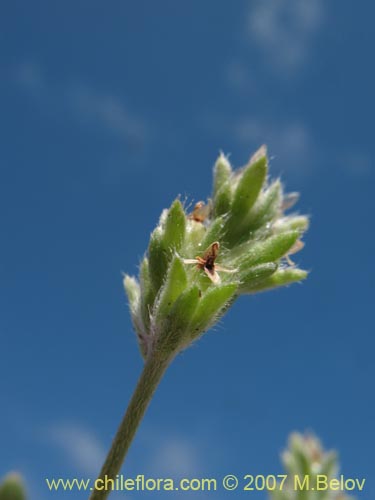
pixel 298 245
pixel 208 265
pixel 200 212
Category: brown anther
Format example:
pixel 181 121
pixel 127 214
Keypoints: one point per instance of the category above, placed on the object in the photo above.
pixel 207 263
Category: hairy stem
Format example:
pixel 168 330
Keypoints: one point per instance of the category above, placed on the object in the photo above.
pixel 152 373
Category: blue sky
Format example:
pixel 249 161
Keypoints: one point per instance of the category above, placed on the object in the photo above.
pixel 107 113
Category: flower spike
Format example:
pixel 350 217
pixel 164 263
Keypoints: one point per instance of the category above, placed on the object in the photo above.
pixel 246 216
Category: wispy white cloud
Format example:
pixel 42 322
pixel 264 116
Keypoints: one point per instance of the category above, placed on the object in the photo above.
pixel 106 110
pixel 284 30
pixel 84 103
pixel 175 457
pixel 277 36
pixel 80 446
pixel 169 455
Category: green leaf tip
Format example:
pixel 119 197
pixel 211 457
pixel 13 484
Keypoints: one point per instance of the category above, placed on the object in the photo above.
pixel 282 277
pixel 198 263
pixel 267 207
pixel 249 185
pixel 271 249
pixel 222 192
pixel 158 257
pixel 175 226
pixel 222 173
pixel 133 291
pixel 165 240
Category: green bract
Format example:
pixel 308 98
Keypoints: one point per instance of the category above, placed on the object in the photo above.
pixel 198 263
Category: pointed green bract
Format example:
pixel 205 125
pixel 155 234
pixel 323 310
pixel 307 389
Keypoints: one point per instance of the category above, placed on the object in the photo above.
pixel 255 276
pixel 248 188
pixel 175 225
pixel 282 277
pixel 175 331
pixel 174 285
pixel 158 257
pixel 269 250
pixel 210 307
pixel 222 173
pixel 165 240
pixel 222 194
pixel 133 292
pixel 298 223
pixel 266 209
pixel 223 200
pixel 184 308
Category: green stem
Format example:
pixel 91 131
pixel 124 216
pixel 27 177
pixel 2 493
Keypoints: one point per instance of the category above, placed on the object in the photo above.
pixel 152 373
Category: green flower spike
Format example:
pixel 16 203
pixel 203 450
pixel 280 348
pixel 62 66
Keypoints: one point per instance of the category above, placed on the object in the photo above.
pixel 237 243
pixel 309 469
pixel 197 264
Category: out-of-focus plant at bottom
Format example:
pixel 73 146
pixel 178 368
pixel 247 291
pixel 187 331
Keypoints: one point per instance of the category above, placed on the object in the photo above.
pixel 12 487
pixel 311 472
